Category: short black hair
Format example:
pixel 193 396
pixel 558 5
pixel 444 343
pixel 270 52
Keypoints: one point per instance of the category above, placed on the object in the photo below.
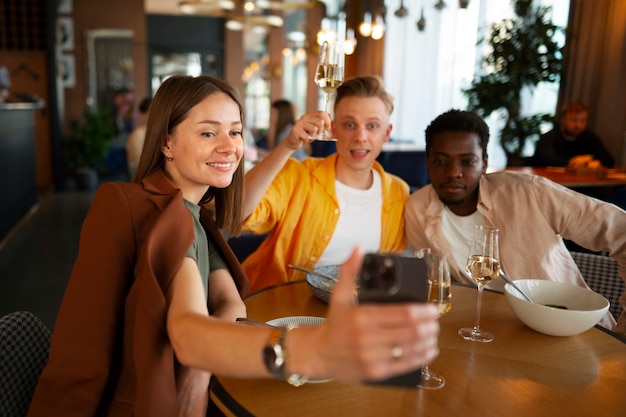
pixel 458 121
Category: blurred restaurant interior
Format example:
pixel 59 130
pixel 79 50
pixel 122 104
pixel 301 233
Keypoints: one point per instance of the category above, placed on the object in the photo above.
pixel 62 59
pixel 65 56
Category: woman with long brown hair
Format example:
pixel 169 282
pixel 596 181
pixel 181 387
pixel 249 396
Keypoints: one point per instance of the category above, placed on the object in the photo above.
pixel 149 310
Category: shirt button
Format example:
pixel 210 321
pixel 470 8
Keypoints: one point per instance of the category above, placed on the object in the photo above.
pixel 313 258
pixel 326 237
pixel 336 211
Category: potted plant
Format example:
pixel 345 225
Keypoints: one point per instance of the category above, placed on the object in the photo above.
pixel 523 54
pixel 86 147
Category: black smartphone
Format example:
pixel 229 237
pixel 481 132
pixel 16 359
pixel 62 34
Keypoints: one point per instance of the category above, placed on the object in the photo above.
pixel 393 278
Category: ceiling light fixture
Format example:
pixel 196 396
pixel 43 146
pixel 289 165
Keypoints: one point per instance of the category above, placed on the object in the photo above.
pixel 378 27
pixel 365 28
pixel 254 21
pixel 221 7
pixel 373 26
pixel 349 44
pixel 206 7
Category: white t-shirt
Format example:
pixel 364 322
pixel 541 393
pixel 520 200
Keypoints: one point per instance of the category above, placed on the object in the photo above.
pixel 459 230
pixel 359 222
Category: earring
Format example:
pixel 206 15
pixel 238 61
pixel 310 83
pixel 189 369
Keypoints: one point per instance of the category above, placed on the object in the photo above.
pixel 169 158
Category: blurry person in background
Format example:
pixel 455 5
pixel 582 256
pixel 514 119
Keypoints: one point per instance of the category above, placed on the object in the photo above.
pixel 5 84
pixel 570 143
pixel 135 140
pixel 124 102
pixel 282 119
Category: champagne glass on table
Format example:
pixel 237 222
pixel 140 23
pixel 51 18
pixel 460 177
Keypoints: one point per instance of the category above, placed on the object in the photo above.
pixel 483 264
pixel 438 272
pixel 329 74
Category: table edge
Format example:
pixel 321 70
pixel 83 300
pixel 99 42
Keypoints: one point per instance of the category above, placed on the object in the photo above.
pixel 224 401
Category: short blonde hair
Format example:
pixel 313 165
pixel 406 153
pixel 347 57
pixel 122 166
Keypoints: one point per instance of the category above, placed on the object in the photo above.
pixel 365 86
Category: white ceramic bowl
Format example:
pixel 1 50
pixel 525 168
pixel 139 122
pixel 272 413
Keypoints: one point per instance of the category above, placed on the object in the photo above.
pixel 585 308
pixel 322 287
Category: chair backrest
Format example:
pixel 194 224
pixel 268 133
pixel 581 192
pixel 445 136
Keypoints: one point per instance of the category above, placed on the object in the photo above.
pixel 601 273
pixel 408 165
pixel 24 346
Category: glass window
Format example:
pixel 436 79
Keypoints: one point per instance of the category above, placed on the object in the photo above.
pixel 428 80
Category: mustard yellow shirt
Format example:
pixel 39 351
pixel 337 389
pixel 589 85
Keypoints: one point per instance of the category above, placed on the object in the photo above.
pixel 300 210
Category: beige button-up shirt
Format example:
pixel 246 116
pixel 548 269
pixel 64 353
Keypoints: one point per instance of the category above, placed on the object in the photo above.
pixel 534 215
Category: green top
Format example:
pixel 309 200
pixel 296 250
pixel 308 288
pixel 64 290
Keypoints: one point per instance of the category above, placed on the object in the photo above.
pixel 202 250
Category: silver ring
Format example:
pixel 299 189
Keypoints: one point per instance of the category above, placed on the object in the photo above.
pixel 396 352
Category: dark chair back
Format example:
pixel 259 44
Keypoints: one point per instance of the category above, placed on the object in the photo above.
pixel 408 165
pixel 24 346
pixel 601 273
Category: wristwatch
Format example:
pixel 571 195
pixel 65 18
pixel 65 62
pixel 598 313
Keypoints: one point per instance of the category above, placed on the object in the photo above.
pixel 275 357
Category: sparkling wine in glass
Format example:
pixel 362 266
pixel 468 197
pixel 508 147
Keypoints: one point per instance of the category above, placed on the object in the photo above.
pixel 329 75
pixel 439 292
pixel 483 264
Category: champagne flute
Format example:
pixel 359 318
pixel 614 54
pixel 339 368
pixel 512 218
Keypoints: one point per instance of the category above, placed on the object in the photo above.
pixel 329 75
pixel 438 271
pixel 483 264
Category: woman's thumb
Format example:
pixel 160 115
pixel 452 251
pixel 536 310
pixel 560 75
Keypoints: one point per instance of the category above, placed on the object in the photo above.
pixel 344 289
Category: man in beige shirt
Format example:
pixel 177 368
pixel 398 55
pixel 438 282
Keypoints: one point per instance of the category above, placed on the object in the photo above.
pixel 533 214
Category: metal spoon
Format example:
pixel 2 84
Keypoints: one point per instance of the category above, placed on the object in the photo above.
pixel 253 322
pixel 310 271
pixel 510 281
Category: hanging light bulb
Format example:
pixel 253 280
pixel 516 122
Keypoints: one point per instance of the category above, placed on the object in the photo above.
pixel 349 44
pixel 326 32
pixel 301 54
pixel 421 23
pixel 365 28
pixel 249 6
pixel 378 28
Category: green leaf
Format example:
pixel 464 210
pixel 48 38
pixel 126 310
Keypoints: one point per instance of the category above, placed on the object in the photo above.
pixel 523 53
pixel 88 143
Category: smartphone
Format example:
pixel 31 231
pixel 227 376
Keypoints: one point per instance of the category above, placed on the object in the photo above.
pixel 393 278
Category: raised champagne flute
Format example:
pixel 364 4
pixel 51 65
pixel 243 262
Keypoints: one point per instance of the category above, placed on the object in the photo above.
pixel 329 75
pixel 438 271
pixel 483 264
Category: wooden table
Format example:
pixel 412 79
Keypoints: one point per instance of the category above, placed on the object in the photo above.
pixel 520 373
pixel 581 178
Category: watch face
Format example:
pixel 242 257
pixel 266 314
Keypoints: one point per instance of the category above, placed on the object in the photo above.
pixel 273 359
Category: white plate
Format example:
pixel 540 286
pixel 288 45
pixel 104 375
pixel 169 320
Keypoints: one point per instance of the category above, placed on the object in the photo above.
pixel 301 321
pixel 297 321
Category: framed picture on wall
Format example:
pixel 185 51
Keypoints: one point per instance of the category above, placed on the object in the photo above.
pixel 65 33
pixel 67 70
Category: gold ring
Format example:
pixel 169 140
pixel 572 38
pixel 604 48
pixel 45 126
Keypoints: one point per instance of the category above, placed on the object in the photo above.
pixel 396 352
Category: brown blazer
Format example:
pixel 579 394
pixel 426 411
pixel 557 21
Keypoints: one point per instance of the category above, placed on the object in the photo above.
pixel 110 352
